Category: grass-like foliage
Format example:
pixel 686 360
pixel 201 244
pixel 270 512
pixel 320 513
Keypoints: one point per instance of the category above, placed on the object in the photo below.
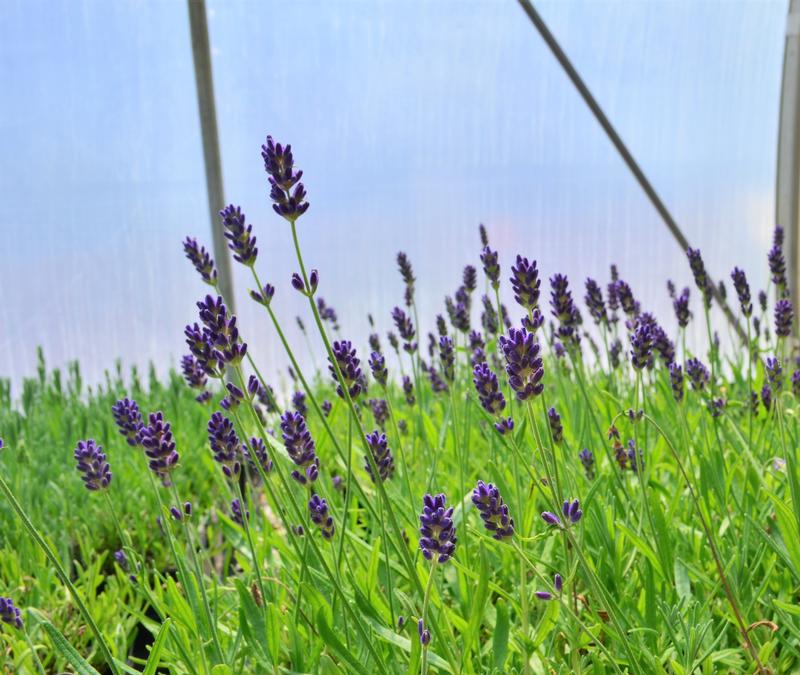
pixel 519 491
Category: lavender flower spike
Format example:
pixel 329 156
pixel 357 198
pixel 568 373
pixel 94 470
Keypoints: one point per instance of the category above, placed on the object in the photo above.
pixel 491 266
pixel 194 375
pixel 493 510
pixel 697 373
pixel 159 446
pixel 784 318
pixel 742 291
pixel 700 276
pixel 405 328
pixel 381 455
pixel 237 513
pixel 128 419
pixel 300 447
pixel 523 363
pixel 438 537
pixel 556 428
pixel 225 445
pixel 594 301
pixel 572 510
pixel 201 260
pixel 525 283
pixel 240 236
pixel 488 389
pixel 9 613
pixel 318 508
pixel 92 464
pixel 377 364
pixel 287 192
pixel 447 357
pixel 345 356
pixel 642 346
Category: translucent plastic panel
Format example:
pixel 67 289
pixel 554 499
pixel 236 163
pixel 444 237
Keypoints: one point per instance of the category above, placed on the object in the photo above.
pixel 413 122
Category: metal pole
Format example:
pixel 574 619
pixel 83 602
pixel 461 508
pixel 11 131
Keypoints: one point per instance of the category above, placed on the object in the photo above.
pixel 201 52
pixel 614 137
pixel 787 183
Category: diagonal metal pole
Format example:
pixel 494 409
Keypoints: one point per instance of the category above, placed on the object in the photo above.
pixel 614 137
pixel 201 53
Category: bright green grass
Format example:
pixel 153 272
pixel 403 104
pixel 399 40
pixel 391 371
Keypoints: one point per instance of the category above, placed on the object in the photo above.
pixel 642 592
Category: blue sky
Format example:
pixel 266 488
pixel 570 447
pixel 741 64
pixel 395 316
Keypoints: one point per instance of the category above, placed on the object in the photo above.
pixel 414 121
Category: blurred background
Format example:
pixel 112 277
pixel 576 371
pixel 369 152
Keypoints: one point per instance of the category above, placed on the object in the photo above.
pixel 413 121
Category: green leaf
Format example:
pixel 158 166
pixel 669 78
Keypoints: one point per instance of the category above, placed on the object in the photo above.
pixel 500 640
pixel 251 620
pixel 478 604
pixel 158 646
pixel 335 644
pixel 67 651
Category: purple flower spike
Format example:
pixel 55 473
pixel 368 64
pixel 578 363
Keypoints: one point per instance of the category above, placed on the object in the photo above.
pixel 470 278
pixel 256 455
pixel 345 355
pixel 558 582
pixel 405 328
pixel 381 454
pixel 525 283
pixel 225 445
pixel 92 464
pixel 407 272
pixel 777 267
pixel 286 190
pixel 237 513
pixel 239 235
pixel 766 397
pixel 774 370
pixel 159 446
pixel 424 634
pixel 220 333
pixel 380 411
pixel 488 389
pixel 299 403
pixel 194 375
pixel 551 518
pixel 483 234
pixel 642 346
pixel 9 613
pixel 742 291
pixel 543 595
pixel 318 509
pixel 784 317
pixel 572 510
pixel 264 296
pixel 447 357
pixel 408 390
pixel 556 428
pixel 681 306
pixel 438 536
pixel 697 373
pixel 201 260
pixel 523 363
pixel 128 419
pixel 587 459
pixel 327 313
pixel 176 513
pixel 121 559
pixel 700 276
pixel 493 510
pixel 504 426
pixel 676 381
pixel 300 447
pixel 594 301
pixel 795 385
pixel 491 266
pixel 377 364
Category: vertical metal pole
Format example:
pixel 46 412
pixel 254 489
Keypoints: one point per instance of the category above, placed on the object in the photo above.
pixel 201 52
pixel 787 185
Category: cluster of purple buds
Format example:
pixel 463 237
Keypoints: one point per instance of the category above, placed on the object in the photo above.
pixel 635 457
pixel 663 345
pixel 159 446
pixel 697 373
pixel 777 267
pixel 234 397
pixel 344 355
pixel 742 291
pixel 407 272
pixel 201 260
pixel 194 375
pixel 563 308
pixel 9 613
pixel 92 465
pixel 266 397
pixel 525 283
pixel 700 276
pixel 438 385
pixel 405 328
pixel 784 317
pixel 491 266
pixel 128 419
pixel 218 342
pixel 587 459
pixel 489 316
pixel 256 455
pixel 766 397
pixel 488 389
pixel 438 536
pixel 377 365
pixel 477 348
pixel 615 352
pixel 327 313
pixel 556 428
pixel 318 509
pixel 287 192
pixel 424 634
pixel 180 513
pixel 594 301
pixel 408 390
pixel 225 445
pixel 264 297
pixel 523 364
pixel 327 407
pixel 625 297
pixel 470 279
pixel 558 584
pixel 681 306
pixel 774 371
pixel 299 403
pixel 300 447
pixel 716 406
pixel 122 560
pixel 676 381
pixel 375 343
pixel 571 510
pixel 238 514
pixel 493 510
pixel 642 346
pixel 382 456
pixel 447 357
pixel 613 295
pixel 380 411
pixel 239 235
pixel 459 310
